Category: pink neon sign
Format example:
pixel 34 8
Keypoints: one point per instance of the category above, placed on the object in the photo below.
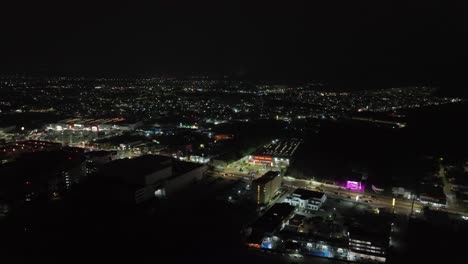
pixel 354 186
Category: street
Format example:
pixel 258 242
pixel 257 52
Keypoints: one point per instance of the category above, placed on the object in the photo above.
pixel 402 206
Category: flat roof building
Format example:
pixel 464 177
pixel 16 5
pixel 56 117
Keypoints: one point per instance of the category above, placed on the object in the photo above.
pixel 266 186
pixel 44 174
pixel 433 195
pixel 272 221
pixel 306 199
pixel 144 170
pixel 369 239
pixel 278 153
pixel 146 177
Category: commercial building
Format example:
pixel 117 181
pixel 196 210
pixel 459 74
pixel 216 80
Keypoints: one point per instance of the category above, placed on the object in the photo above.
pixel 41 174
pixel 278 153
pixel 400 191
pixel 306 199
pixel 354 182
pixel 369 240
pixel 266 186
pixel 183 173
pixel 101 156
pixel 133 181
pixel 272 221
pixel 17 148
pixel 94 124
pixel 434 196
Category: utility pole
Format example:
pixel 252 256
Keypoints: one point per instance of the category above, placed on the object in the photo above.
pixel 412 206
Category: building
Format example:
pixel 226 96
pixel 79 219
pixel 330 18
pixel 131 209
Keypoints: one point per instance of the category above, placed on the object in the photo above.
pixel 432 194
pixel 18 148
pixel 306 199
pixel 101 156
pixel 42 175
pixel 219 137
pixel 266 186
pixel 275 219
pixel 278 153
pixel 369 239
pixel 354 185
pixel 400 191
pixel 183 173
pixel 354 182
pixel 133 181
pixel 94 124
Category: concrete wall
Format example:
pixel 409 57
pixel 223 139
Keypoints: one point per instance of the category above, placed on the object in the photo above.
pixel 182 181
pixel 158 176
pixel 266 191
pixel 144 194
pixel 313 204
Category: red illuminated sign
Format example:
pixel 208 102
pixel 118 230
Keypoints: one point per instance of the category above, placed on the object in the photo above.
pixel 263 158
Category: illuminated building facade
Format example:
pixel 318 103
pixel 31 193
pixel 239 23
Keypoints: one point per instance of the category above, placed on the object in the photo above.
pixel 355 186
pixel 278 153
pixel 369 240
pixel 266 186
pixel 306 199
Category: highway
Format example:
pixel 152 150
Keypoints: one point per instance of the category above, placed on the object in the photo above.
pixel 402 206
pixel 376 200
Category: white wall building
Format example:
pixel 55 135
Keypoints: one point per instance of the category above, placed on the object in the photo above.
pixel 306 199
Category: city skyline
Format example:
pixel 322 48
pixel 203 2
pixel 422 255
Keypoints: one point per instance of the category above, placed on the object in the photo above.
pixel 233 132
pixel 373 42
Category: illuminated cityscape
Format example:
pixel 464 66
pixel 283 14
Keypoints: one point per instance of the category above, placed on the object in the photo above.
pixel 233 133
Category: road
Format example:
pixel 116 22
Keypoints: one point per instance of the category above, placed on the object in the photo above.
pixel 402 205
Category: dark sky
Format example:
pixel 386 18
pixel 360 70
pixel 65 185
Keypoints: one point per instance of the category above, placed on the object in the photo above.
pixel 378 39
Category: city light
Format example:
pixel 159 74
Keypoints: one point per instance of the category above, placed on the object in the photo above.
pixel 354 186
pixel 184 131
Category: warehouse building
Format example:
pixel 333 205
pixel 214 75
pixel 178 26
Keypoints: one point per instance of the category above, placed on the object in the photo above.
pixel 278 153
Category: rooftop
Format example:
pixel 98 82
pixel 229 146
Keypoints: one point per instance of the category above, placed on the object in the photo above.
pixel 279 148
pixel 274 217
pixel 430 191
pixel 137 167
pixel 181 167
pixel 307 194
pixel 296 220
pixel 40 164
pixel 370 228
pixel 270 175
pixel 100 153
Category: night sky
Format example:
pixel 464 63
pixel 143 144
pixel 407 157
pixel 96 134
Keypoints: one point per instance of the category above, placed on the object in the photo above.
pixel 390 41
